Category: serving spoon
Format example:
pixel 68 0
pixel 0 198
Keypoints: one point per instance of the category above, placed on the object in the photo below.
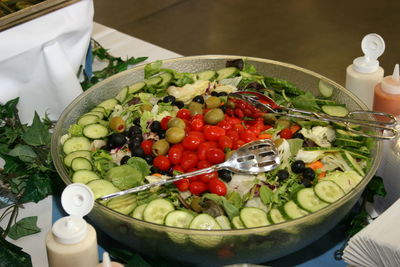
pixel 252 158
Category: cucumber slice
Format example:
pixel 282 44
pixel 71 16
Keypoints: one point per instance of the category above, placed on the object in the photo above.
pixel 357 154
pixel 166 79
pixel 109 104
pixel 224 222
pixel 99 114
pixel 325 149
pixel 346 180
pixel 328 191
pixel 352 163
pixel 237 223
pixel 153 81
pixel 227 73
pixel 134 88
pixel 206 75
pixel 76 143
pixel 121 96
pixel 80 163
pixel 87 119
pixel 253 217
pixel 101 187
pixel 338 111
pixel 124 204
pixel 84 176
pixel 347 143
pixel 308 200
pixel 347 135
pixel 179 218
pixel 157 210
pixel 293 211
pixel 325 89
pixel 80 153
pixel 205 222
pixel 275 216
pixel 99 109
pixel 138 212
pixel 322 102
pixel 95 131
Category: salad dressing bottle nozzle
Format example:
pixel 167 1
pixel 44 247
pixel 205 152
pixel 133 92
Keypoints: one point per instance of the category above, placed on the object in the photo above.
pixel 365 72
pixel 387 94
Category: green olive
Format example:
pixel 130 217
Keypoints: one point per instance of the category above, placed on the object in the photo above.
pixel 195 204
pixel 195 108
pixel 230 104
pixel 214 116
pixel 146 107
pixel 176 122
pixel 282 123
pixel 269 118
pixel 213 102
pixel 174 135
pixel 160 147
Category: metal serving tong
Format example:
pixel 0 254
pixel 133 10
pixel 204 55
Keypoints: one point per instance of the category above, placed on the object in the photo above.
pixel 252 158
pixel 265 104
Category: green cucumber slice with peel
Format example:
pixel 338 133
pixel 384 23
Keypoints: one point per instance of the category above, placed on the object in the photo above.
pixel 76 143
pixel 308 200
pixel 253 217
pixel 157 210
pixel 179 218
pixel 328 191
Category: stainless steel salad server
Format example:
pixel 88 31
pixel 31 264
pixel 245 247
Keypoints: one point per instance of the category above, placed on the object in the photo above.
pixel 266 104
pixel 252 158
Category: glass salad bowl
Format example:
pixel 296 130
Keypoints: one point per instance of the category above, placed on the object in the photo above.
pixel 216 247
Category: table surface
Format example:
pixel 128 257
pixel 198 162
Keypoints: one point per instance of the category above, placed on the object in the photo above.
pixel 319 253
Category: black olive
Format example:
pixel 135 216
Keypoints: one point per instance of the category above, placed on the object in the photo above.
pixel 223 108
pixel 116 140
pixel 298 166
pixel 161 134
pixel 306 182
pixel 124 160
pixel 169 99
pixel 214 93
pixel 132 144
pixel 154 169
pixel 198 99
pixel 237 63
pixel 165 172
pixel 222 94
pixel 225 175
pixel 137 121
pixel 155 126
pixel 134 130
pixel 134 101
pixel 179 104
pixel 137 152
pixel 298 135
pixel 148 159
pixel 282 175
pixel 308 174
pixel 137 138
pixel 106 147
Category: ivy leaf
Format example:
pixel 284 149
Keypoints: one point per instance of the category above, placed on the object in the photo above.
pixel 266 194
pixel 12 255
pixel 37 134
pixel 9 109
pixel 37 188
pixel 23 152
pixel 24 227
pixel 374 187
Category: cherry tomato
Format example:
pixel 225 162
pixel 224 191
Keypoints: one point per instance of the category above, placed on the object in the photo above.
pixel 191 142
pixel 197 122
pixel 193 178
pixel 164 122
pixel 198 134
pixel 183 114
pixel 147 146
pixel 248 112
pixel 205 178
pixel 162 162
pixel 203 164
pixel 182 185
pixel 224 125
pixel 229 112
pixel 238 127
pixel 247 136
pixel 178 168
pixel 216 186
pixel 239 113
pixel 286 133
pixel 233 120
pixel 233 134
pixel 189 160
pixel 212 132
pixel 203 147
pixel 197 187
pixel 238 144
pixel 225 142
pixel 175 154
pixel 215 155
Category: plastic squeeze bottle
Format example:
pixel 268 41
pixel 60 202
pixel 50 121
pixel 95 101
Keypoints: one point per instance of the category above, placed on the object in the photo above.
pixel 387 94
pixel 72 242
pixel 365 72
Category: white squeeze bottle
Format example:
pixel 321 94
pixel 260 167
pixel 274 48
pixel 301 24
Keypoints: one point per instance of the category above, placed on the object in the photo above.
pixel 365 72
pixel 72 241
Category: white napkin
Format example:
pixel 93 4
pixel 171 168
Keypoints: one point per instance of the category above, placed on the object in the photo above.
pixel 378 244
pixel 40 59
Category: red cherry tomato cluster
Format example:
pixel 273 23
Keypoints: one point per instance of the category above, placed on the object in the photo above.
pixel 205 145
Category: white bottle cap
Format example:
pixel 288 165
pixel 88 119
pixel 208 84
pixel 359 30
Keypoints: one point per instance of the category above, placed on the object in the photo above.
pixel 77 200
pixel 373 47
pixel 391 84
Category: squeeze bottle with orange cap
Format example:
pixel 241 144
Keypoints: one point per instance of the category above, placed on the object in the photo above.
pixel 365 72
pixel 72 242
pixel 387 94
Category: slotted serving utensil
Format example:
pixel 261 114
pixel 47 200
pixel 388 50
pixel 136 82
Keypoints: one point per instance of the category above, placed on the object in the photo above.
pixel 252 158
pixel 267 105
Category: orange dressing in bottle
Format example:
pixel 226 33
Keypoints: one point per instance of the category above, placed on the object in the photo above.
pixel 387 94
